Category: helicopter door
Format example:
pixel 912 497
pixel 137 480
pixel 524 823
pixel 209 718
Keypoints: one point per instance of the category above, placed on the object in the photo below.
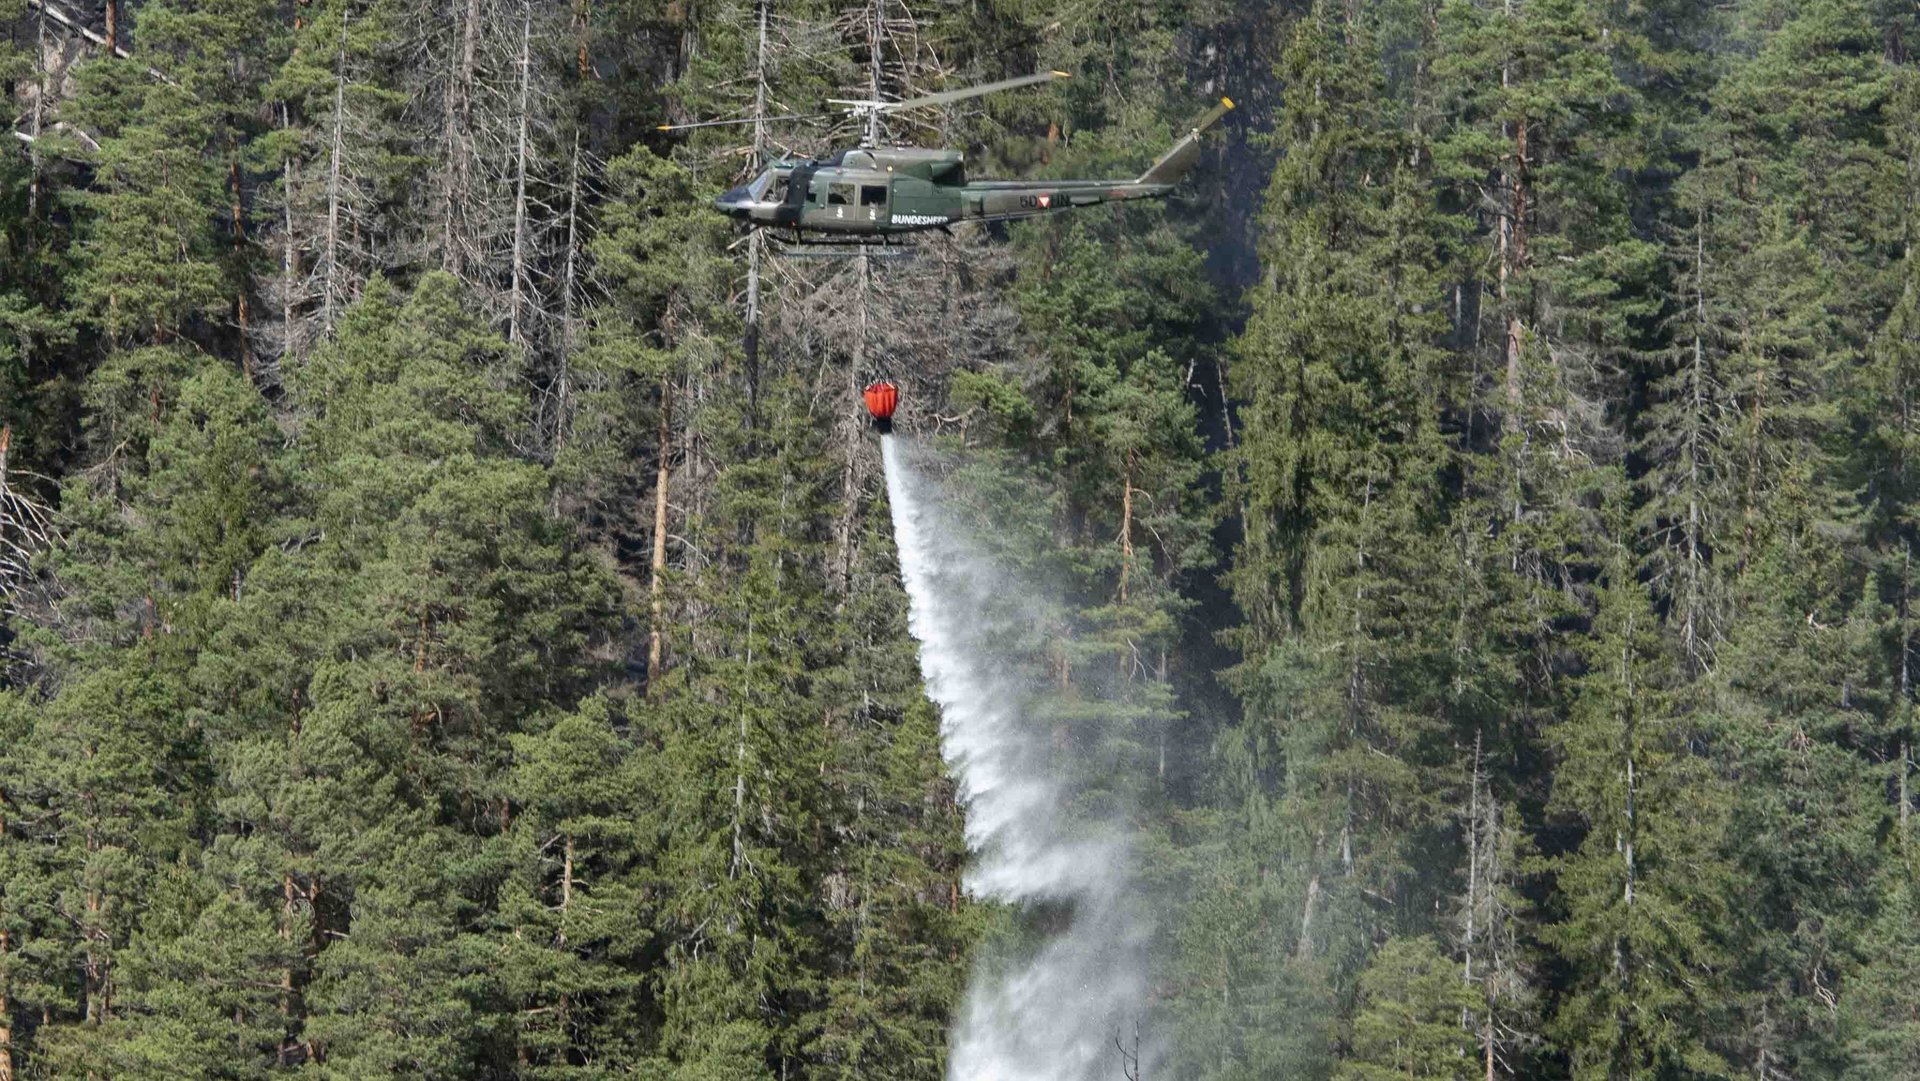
pixel 792 191
pixel 873 203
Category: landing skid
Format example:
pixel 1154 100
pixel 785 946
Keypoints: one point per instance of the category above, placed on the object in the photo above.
pixel 796 246
pixel 891 254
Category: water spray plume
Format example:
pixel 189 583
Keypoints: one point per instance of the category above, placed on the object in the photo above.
pixel 1051 1011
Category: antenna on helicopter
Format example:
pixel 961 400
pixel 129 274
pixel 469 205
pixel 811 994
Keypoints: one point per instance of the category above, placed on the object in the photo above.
pixel 863 109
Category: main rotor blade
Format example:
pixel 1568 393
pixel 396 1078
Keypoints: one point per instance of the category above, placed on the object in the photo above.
pixel 857 108
pixel 950 96
pixel 744 120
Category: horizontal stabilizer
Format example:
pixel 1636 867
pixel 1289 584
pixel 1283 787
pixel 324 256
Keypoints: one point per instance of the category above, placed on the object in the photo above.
pixel 1175 163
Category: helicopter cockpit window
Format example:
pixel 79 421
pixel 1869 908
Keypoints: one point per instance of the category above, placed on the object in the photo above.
pixel 873 195
pixel 777 192
pixel 840 195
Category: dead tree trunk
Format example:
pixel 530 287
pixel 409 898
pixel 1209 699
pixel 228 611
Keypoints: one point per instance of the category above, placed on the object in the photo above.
pixel 36 120
pixel 1906 799
pixel 1696 420
pixel 237 219
pixel 850 481
pixel 6 1000
pixel 756 243
pixel 1486 942
pixel 1304 948
pixel 1513 247
pixel 1126 525
pixel 332 297
pixel 95 963
pixel 739 859
pixel 656 588
pixel 289 251
pixel 1510 267
pixel 518 288
pixel 289 1042
pixel 458 118
pixel 569 307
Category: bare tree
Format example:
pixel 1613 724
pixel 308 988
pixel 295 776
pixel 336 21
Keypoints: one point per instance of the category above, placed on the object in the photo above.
pixel 485 106
pixel 520 287
pixel 332 203
pixel 1492 961
pixel 26 529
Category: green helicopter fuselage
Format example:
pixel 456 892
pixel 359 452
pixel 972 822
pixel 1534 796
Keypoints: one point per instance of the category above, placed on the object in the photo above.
pixel 885 191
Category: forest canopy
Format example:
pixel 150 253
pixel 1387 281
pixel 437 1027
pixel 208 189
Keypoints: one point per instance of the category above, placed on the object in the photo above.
pixel 451 626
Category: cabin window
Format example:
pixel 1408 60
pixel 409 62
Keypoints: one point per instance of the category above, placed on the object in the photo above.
pixel 873 195
pixel 840 195
pixel 778 193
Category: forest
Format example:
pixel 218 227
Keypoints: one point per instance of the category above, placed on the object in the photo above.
pixel 452 626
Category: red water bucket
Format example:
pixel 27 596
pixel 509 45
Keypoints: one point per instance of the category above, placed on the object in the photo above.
pixel 882 397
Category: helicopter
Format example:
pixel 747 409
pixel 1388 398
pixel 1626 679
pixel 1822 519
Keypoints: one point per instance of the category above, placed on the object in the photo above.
pixel 883 192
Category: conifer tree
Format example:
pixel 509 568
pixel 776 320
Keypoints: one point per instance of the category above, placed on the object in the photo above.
pixel 746 744
pixel 147 257
pixel 1493 925
pixel 1347 746
pixel 1883 1035
pixel 1407 1020
pixel 1645 890
pixel 897 923
pixel 574 912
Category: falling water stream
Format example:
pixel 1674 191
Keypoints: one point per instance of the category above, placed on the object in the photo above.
pixel 1062 1002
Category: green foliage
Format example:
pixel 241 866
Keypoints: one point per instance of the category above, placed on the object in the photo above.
pixel 1475 521
pixel 1646 891
pixel 1407 1023
pixel 1878 1018
pixel 147 259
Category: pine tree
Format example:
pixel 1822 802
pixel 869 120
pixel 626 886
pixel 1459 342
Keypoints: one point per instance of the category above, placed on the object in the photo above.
pixel 1798 698
pixel 1877 1015
pixel 574 913
pixel 33 321
pixel 748 749
pixel 898 926
pixel 190 1005
pixel 1883 402
pixel 96 792
pixel 1407 1023
pixel 1644 891
pixel 1492 929
pixel 149 257
pixel 1347 748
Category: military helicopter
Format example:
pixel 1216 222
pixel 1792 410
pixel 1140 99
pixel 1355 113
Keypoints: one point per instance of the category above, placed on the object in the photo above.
pixel 882 192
